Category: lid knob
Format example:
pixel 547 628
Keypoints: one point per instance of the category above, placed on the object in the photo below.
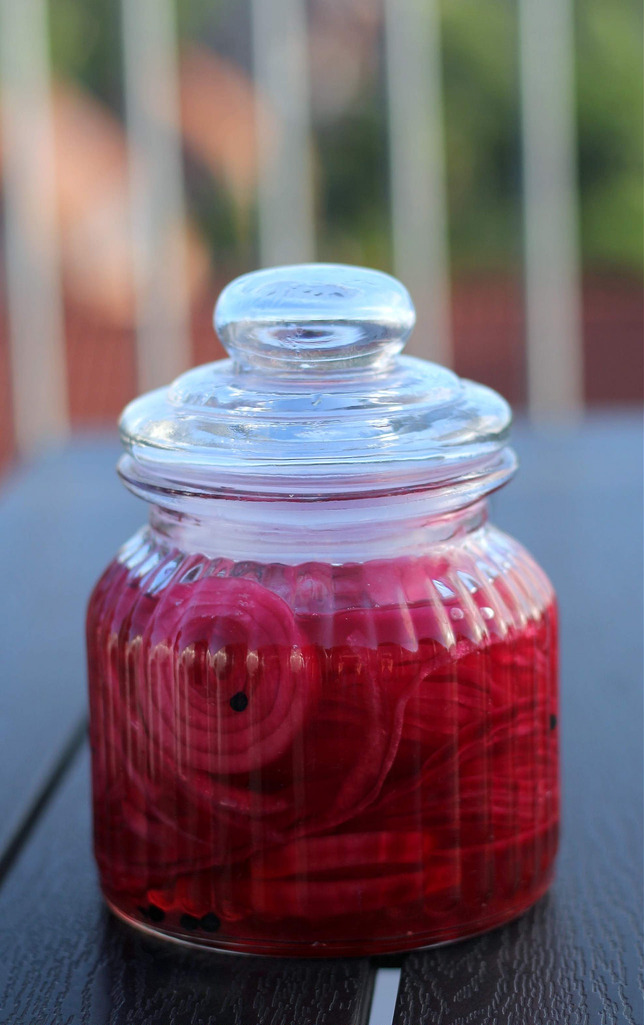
pixel 318 317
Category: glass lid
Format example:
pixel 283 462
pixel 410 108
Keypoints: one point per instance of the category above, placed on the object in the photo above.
pixel 316 400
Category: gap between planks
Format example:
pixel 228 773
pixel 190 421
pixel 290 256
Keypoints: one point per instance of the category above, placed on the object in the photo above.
pixel 32 813
pixel 385 993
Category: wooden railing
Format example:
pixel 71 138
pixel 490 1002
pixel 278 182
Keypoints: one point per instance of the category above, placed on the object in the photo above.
pixel 285 191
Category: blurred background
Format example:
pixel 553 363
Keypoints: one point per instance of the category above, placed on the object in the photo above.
pixel 489 154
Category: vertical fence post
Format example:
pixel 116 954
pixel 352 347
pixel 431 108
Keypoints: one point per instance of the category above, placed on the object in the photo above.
pixel 285 189
pixel 417 168
pixel 552 286
pixel 156 189
pixel 34 297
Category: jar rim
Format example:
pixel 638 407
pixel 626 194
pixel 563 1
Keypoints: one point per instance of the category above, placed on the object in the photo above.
pixel 481 479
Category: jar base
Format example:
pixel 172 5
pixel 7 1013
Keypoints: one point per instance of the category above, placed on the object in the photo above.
pixel 366 948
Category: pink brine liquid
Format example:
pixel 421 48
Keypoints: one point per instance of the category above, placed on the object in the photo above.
pixel 323 759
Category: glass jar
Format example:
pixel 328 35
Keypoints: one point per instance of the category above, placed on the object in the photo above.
pixel 323 686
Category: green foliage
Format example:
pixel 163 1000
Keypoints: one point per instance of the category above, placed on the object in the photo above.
pixel 481 112
pixel 86 45
pixel 609 85
pixel 352 187
pixel 229 230
pixel 199 17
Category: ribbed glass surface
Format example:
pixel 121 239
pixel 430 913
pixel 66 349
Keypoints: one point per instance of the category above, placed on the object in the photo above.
pixel 324 759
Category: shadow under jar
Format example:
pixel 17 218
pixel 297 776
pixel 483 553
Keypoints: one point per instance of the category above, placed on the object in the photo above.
pixel 323 686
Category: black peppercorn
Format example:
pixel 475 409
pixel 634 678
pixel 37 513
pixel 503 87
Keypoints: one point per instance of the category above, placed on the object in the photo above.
pixel 154 913
pixel 189 922
pixel 239 701
pixel 210 922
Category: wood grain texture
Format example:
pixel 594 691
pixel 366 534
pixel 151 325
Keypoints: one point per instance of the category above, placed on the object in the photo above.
pixel 61 520
pixel 65 961
pixel 576 958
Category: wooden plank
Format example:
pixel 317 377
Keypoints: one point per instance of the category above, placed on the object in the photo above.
pixel 63 958
pixel 31 244
pixel 61 520
pixel 577 956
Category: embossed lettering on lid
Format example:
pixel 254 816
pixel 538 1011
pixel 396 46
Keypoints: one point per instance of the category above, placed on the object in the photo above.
pixel 314 316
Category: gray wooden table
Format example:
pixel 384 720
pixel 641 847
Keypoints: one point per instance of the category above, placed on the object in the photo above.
pixel 574 959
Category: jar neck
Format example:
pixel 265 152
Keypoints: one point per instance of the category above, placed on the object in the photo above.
pixel 331 531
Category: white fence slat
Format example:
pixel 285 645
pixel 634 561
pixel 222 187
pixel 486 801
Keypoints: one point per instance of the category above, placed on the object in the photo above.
pixel 34 298
pixel 285 172
pixel 156 189
pixel 417 169
pixel 552 280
